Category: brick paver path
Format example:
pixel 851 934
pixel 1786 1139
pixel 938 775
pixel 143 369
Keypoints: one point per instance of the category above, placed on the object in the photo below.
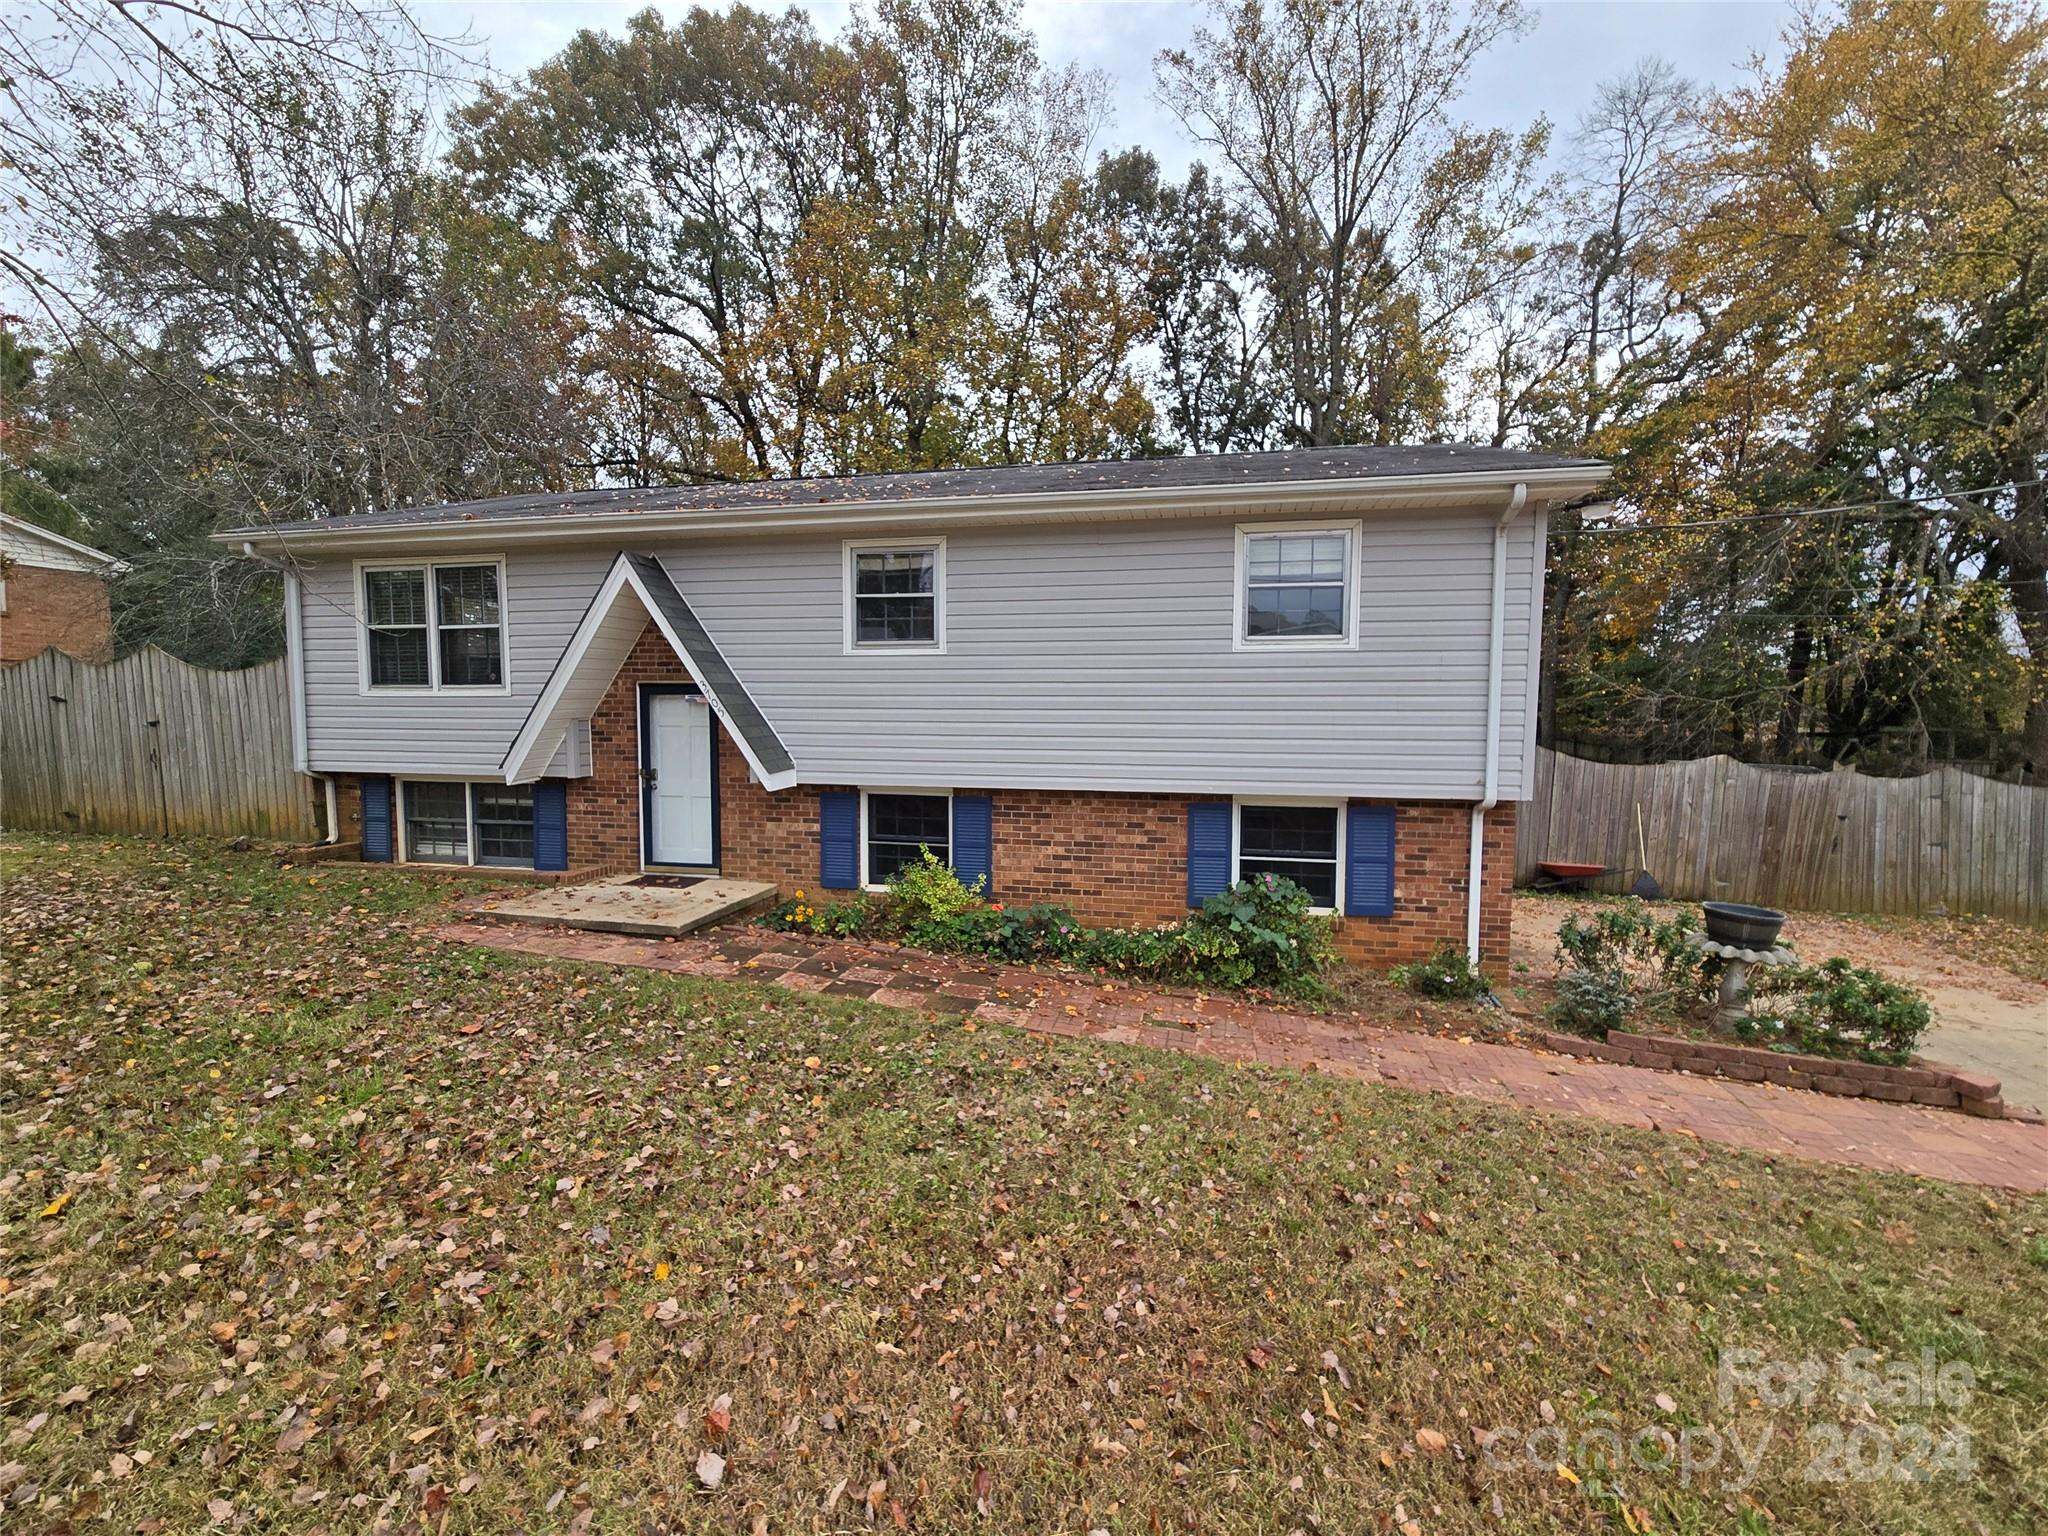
pixel 1780 1121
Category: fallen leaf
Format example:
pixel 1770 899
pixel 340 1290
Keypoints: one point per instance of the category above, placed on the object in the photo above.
pixel 1432 1441
pixel 710 1468
pixel 718 1418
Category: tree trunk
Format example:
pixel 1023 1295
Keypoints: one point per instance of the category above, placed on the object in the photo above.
pixel 1798 662
pixel 2026 551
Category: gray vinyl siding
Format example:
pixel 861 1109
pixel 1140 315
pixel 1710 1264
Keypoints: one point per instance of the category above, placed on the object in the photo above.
pixel 447 734
pixel 1079 656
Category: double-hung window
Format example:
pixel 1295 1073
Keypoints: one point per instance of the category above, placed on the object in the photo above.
pixel 434 626
pixel 449 823
pixel 1297 586
pixel 896 595
pixel 1296 842
pixel 899 827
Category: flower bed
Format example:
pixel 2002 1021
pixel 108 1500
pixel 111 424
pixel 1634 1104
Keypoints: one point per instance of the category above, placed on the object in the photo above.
pixel 1920 1082
pixel 1621 964
pixel 1259 934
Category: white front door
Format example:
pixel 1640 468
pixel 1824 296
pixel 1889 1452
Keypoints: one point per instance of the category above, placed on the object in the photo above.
pixel 679 753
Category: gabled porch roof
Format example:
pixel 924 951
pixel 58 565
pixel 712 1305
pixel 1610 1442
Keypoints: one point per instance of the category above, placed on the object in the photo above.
pixel 636 590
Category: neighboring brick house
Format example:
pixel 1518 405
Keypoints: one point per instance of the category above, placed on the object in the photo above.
pixel 1115 685
pixel 53 592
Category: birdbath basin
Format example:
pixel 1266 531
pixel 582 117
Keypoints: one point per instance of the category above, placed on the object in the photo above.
pixel 1737 923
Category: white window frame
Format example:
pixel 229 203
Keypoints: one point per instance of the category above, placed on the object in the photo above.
pixel 402 832
pixel 1353 534
pixel 899 789
pixel 1310 802
pixel 849 624
pixel 434 683
pixel 401 835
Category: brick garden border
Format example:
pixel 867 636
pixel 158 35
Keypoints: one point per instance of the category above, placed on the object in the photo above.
pixel 1932 1083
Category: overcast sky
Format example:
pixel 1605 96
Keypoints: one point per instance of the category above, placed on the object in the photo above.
pixel 1575 44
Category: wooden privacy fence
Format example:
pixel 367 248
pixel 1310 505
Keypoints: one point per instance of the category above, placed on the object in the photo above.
pixel 149 744
pixel 1717 829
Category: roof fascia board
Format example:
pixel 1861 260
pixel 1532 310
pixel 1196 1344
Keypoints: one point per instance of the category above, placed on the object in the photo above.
pixel 1366 492
pixel 113 564
pixel 768 780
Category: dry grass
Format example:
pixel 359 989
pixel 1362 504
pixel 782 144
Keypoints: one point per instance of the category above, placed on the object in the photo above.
pixel 309 1222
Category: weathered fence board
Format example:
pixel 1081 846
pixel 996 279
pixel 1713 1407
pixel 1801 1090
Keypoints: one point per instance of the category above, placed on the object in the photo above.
pixel 149 744
pixel 1717 829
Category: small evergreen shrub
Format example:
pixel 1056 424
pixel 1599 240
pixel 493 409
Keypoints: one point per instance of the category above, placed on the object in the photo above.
pixel 1659 959
pixel 1591 1002
pixel 1839 1009
pixel 1016 934
pixel 1448 973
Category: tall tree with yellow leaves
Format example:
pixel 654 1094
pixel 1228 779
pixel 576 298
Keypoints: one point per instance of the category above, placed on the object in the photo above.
pixel 1866 259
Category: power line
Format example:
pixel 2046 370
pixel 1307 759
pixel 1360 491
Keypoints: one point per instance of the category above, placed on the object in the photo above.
pixel 1786 513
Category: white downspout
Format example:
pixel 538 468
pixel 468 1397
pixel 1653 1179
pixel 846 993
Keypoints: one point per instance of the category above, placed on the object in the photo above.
pixel 1490 784
pixel 295 663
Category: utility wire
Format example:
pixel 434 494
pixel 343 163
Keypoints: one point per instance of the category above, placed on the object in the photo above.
pixel 1786 513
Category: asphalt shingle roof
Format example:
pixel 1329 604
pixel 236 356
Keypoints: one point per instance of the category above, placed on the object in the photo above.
pixel 1188 472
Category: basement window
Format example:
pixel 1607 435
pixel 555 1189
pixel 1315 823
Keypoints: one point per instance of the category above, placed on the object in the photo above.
pixel 898 827
pixel 1296 842
pixel 452 823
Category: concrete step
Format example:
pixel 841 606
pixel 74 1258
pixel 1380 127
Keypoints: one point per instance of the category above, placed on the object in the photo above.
pixel 621 904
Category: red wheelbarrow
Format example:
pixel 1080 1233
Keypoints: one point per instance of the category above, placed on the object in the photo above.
pixel 1568 875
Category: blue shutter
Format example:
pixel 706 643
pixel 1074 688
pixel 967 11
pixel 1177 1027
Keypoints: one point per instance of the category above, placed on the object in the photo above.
pixel 551 825
pixel 974 841
pixel 839 839
pixel 1208 849
pixel 377 820
pixel 1369 855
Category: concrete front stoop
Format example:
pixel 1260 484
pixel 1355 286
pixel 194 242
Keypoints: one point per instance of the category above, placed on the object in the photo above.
pixel 629 904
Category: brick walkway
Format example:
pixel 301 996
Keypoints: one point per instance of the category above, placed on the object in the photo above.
pixel 1779 1121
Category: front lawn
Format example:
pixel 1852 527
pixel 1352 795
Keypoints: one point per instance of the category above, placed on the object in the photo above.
pixel 310 1221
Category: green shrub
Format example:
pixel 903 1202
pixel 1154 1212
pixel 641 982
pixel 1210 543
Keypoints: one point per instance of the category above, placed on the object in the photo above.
pixel 1019 934
pixel 1659 959
pixel 927 891
pixel 1131 951
pixel 1591 1002
pixel 1447 973
pixel 1259 932
pixel 1839 1009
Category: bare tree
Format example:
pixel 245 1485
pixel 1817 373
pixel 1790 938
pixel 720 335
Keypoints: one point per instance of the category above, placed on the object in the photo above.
pixel 1376 217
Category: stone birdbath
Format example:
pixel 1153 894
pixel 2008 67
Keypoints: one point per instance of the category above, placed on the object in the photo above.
pixel 1741 937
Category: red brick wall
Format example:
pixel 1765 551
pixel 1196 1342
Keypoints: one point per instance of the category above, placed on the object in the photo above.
pixel 67 609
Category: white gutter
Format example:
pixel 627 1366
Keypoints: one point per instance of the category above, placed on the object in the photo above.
pixel 1449 489
pixel 1490 782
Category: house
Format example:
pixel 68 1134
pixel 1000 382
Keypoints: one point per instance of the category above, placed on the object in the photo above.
pixel 53 591
pixel 1116 685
